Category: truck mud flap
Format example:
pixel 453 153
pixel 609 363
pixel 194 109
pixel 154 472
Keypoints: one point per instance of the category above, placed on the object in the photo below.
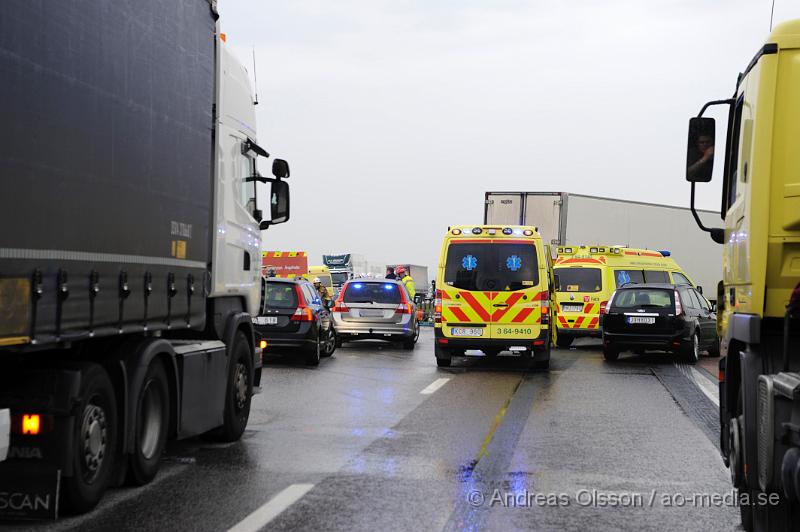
pixel 28 492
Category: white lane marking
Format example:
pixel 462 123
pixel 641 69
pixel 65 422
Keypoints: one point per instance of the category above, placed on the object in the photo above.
pixel 703 383
pixel 272 508
pixel 435 385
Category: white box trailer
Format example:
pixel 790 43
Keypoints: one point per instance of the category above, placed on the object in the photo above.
pixel 573 219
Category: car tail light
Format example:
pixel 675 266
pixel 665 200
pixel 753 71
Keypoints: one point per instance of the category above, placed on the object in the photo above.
pixel 339 306
pixel 545 311
pixel 437 307
pixel 678 306
pixel 604 307
pixel 404 308
pixel 303 313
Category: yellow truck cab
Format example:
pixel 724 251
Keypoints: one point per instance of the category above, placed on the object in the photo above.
pixel 758 302
pixel 324 274
pixel 493 293
pixel 586 276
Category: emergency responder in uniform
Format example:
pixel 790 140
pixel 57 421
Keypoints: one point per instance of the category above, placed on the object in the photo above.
pixel 322 291
pixel 407 280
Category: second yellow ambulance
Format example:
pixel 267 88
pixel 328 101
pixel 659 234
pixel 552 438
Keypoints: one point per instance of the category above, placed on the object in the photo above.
pixel 586 276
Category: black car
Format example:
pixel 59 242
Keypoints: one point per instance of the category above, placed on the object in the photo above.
pixel 663 317
pixel 293 317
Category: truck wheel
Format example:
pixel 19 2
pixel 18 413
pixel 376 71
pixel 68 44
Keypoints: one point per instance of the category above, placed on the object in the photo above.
pixel 691 351
pixel 563 341
pixel 94 442
pixel 239 392
pixel 312 354
pixel 330 343
pixel 610 352
pixel 152 422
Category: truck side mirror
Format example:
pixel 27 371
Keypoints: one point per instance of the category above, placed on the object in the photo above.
pixel 280 169
pixel 278 203
pixel 700 289
pixel 700 150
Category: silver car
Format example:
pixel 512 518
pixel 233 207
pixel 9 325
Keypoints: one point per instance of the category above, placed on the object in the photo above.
pixel 375 309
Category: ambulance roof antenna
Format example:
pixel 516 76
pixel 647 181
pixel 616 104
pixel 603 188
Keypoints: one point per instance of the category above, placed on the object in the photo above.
pixel 771 13
pixel 255 80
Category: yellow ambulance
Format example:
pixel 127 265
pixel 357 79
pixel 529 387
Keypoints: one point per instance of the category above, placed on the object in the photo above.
pixel 493 294
pixel 324 274
pixel 586 276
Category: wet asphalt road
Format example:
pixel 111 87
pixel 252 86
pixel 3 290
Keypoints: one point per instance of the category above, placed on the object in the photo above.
pixel 587 445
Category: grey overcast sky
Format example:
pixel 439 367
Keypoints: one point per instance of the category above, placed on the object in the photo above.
pixel 397 115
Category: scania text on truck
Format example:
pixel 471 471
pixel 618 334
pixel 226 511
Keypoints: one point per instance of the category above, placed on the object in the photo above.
pixel 130 245
pixel 758 299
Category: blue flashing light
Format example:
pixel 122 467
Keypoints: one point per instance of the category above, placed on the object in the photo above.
pixel 518 232
pixel 388 286
pixel 665 253
pixel 358 286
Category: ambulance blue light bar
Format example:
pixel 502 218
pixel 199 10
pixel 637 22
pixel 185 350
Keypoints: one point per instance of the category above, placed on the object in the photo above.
pixel 665 253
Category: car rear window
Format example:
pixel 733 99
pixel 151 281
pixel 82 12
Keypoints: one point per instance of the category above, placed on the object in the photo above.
pixel 643 298
pixel 579 279
pixel 363 292
pixel 491 266
pixel 280 295
pixel 623 277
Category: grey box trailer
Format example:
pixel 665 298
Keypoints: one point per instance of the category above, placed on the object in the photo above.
pixel 573 219
pixel 125 126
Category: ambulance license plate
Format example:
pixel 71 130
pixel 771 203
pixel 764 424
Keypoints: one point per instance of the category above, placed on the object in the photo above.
pixel 463 331
pixel 642 319
pixel 265 320
pixel 571 308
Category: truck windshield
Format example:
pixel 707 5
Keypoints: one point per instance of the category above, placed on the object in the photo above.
pixel 642 298
pixel 339 278
pixel 579 279
pixel 491 266
pixel 362 292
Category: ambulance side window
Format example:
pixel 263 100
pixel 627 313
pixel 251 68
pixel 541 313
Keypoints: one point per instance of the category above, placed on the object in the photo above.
pixel 680 279
pixel 623 277
pixel 654 276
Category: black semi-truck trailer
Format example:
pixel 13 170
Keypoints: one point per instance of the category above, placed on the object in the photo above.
pixel 128 162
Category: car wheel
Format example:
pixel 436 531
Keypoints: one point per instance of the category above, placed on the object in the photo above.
pixel 312 354
pixel 152 422
pixel 416 333
pixel 564 340
pixel 610 352
pixel 329 345
pixel 443 358
pixel 408 345
pixel 94 442
pixel 713 351
pixel 691 352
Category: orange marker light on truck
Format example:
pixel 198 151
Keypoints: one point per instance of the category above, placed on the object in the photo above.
pixel 263 344
pixel 30 424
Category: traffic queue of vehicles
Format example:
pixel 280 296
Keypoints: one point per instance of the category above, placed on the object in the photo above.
pixel 759 296
pixel 499 290
pixel 130 276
